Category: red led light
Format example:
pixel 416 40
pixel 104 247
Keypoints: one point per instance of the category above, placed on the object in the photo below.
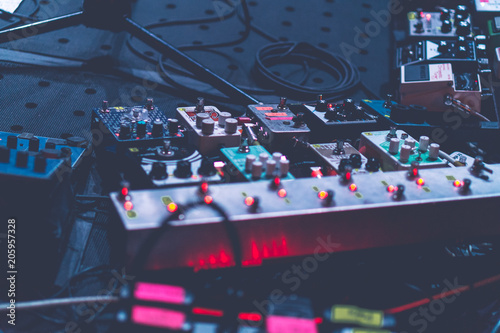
pixel 420 182
pixel 208 199
pixel 322 195
pixel 318 320
pixel 414 172
pixel 282 193
pixel 348 176
pixel 208 312
pixel 277 181
pixel 128 205
pixel 330 105
pixel 249 201
pixel 124 191
pixel 457 183
pixel 252 316
pixel 204 187
pixel 422 14
pixel 428 17
pixel 172 207
pixel 353 187
pixel 391 188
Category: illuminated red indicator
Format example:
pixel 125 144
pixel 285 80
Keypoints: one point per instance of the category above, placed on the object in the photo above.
pixel 128 205
pixel 249 201
pixel 223 257
pixel 208 199
pixel 160 293
pixel 204 187
pixel 208 312
pixel 318 320
pixel 252 316
pixel 420 182
pixel 322 195
pixel 353 187
pixel 316 173
pixel 422 14
pixel 124 191
pixel 391 188
pixel 348 176
pixel 428 17
pixel 212 260
pixel 330 105
pixel 278 324
pixel 277 181
pixel 282 193
pixel 414 172
pixel 172 207
pixel 457 183
pixel 146 315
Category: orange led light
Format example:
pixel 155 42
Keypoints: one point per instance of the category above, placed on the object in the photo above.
pixel 322 195
pixel 457 183
pixel 391 188
pixel 128 205
pixel 282 193
pixel 172 207
pixel 420 182
pixel 353 187
pixel 208 199
pixel 249 201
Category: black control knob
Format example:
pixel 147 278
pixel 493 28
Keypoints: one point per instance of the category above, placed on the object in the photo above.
pixel 173 126
pixel 321 104
pixel 466 186
pixel 443 47
pixel 141 128
pixel 355 161
pixel 344 162
pixel 298 120
pixel 399 113
pixel 51 153
pixel 40 163
pixel 50 145
pixel 12 142
pixel 158 171
pixel 22 159
pixel 372 165
pixel 4 154
pixel 459 18
pixel 400 193
pixel 183 169
pixel 446 27
pixel 124 131
pixel 462 10
pixel 463 28
pixel 206 168
pixel 445 14
pixel 331 113
pixel 34 144
pixel 462 52
pixel 157 130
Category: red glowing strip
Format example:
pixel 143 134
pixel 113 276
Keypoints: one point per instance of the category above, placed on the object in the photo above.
pixel 250 316
pixel 277 114
pixel 145 315
pixel 486 281
pixel 407 306
pixel 318 320
pixel 279 118
pixel 159 293
pixel 264 108
pixel 280 324
pixel 208 312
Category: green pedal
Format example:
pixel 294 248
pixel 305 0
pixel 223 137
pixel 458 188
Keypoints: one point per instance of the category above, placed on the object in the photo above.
pixel 239 160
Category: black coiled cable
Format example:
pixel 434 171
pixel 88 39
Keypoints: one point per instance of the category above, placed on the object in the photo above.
pixel 345 74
